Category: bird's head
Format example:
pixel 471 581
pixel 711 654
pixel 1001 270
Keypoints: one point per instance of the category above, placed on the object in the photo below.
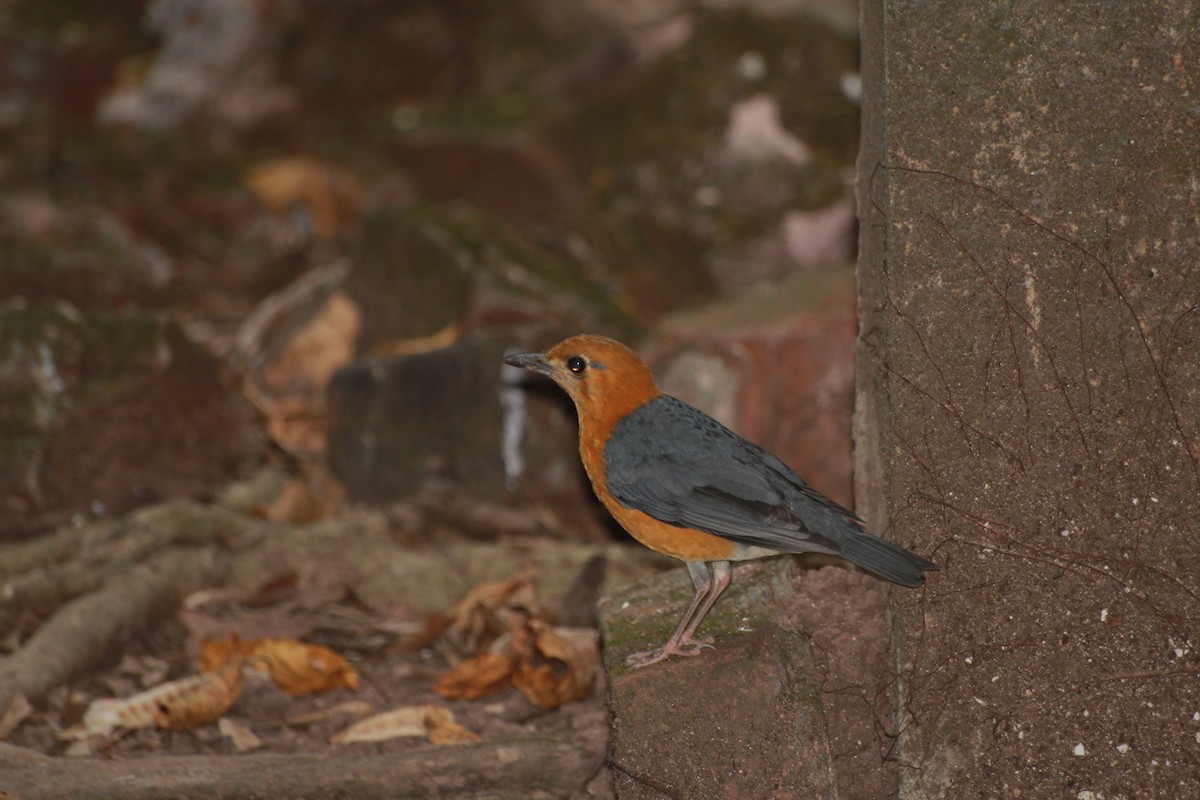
pixel 604 377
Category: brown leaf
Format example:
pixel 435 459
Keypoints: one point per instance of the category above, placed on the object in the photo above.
pixel 550 666
pixel 479 676
pixel 244 740
pixel 420 344
pixel 301 669
pixel 216 653
pixel 559 667
pixel 435 625
pixel 290 390
pixel 19 709
pixel 177 705
pixel 436 722
pixel 202 701
pixel 330 195
pixel 443 729
pixel 314 352
pixel 480 616
pixel 310 496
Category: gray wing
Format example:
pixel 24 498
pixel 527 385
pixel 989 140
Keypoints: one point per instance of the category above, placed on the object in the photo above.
pixel 677 464
pixel 681 466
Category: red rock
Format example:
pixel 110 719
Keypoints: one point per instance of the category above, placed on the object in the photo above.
pixel 777 366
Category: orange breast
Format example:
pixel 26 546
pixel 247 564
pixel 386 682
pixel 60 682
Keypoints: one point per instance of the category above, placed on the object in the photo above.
pixel 686 544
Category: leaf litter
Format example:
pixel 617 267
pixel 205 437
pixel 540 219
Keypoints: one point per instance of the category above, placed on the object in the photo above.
pixel 505 638
pixel 498 635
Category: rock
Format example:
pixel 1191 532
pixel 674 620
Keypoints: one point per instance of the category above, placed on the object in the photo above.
pixel 407 277
pixel 680 201
pixel 444 294
pixel 458 414
pixel 756 134
pixel 823 238
pixel 360 550
pixel 288 348
pixel 203 61
pixel 431 299
pixel 777 366
pixel 396 421
pixel 105 412
pixel 844 614
pixel 804 241
pixel 745 720
pixel 428 270
pixel 515 184
pixel 1029 392
pixel 79 252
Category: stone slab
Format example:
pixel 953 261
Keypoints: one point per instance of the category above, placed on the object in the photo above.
pixel 1029 395
pixel 745 720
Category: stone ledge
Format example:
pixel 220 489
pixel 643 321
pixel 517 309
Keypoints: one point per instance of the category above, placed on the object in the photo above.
pixel 745 720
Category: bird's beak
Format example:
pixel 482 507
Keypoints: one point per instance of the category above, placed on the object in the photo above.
pixel 534 361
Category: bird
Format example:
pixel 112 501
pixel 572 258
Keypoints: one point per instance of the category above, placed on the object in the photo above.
pixel 683 484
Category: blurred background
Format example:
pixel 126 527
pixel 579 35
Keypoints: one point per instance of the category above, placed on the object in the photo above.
pixel 260 261
pixel 238 234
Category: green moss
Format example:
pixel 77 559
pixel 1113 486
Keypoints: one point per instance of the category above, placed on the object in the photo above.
pixel 807 292
pixel 523 266
pixel 53 356
pixel 649 148
pixel 642 615
pixel 680 105
pixel 61 354
pixel 505 112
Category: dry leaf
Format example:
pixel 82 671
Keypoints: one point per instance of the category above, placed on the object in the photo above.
pixel 550 666
pixel 404 721
pixel 244 740
pixel 556 665
pixel 313 353
pixel 82 748
pixel 479 676
pixel 424 720
pixel 301 669
pixel 202 702
pixel 444 729
pixel 216 653
pixel 19 709
pixel 289 390
pixel 177 705
pixel 419 344
pixel 479 618
pixel 435 625
pixel 331 196
pixel 312 495
pixel 295 422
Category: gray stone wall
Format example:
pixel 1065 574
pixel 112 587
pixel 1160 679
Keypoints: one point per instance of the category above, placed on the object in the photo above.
pixel 1029 390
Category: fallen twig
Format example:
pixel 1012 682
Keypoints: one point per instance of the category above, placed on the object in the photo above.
pixel 542 766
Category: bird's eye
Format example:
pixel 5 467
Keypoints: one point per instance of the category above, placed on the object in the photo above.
pixel 576 364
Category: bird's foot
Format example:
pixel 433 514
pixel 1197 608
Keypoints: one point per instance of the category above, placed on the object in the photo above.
pixel 684 647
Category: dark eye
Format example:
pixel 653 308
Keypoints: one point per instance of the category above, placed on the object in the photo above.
pixel 576 364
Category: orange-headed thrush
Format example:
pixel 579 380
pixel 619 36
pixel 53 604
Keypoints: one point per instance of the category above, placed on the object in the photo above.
pixel 685 485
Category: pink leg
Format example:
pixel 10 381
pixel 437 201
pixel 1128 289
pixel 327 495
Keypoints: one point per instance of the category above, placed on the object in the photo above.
pixel 683 640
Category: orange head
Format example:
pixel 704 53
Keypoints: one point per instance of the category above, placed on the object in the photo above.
pixel 604 377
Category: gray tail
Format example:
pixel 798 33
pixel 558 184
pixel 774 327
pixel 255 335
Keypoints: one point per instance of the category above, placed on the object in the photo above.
pixel 886 560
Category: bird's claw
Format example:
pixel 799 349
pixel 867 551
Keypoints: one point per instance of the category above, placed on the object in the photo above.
pixel 684 647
